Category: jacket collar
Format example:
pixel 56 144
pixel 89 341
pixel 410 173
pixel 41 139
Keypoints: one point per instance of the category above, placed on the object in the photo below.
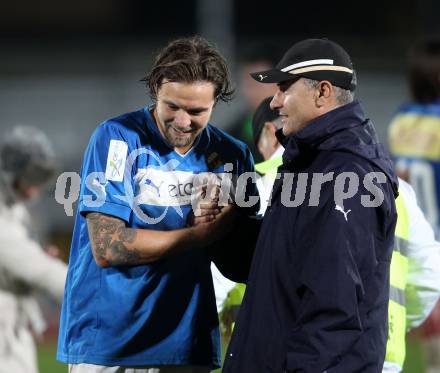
pixel 320 129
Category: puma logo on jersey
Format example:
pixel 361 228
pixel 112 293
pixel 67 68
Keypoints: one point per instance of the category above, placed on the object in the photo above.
pixel 153 185
pixel 345 213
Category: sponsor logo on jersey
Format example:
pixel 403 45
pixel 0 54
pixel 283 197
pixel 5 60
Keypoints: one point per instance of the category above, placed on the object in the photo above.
pixel 117 154
pixel 169 188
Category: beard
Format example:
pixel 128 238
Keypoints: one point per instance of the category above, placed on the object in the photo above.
pixel 179 141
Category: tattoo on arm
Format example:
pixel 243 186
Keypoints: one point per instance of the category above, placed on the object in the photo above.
pixel 109 238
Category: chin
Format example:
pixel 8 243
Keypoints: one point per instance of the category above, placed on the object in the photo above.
pixel 286 132
pixel 180 142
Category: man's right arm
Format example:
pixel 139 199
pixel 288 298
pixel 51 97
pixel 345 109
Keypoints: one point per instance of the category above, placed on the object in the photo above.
pixel 114 244
pixel 423 286
pixel 25 260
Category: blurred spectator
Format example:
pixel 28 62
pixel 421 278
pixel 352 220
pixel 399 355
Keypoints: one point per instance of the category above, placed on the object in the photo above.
pixel 27 163
pixel 253 57
pixel 265 122
pixel 415 273
pixel 415 143
pixel 415 130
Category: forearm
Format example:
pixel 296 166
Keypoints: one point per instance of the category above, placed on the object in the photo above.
pixel 114 244
pixel 233 255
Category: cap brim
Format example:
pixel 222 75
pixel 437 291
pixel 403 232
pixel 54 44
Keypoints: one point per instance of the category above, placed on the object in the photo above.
pixel 272 76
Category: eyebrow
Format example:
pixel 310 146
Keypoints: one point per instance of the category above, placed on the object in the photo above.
pixel 201 108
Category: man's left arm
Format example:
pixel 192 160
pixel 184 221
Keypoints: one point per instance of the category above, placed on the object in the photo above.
pixel 233 254
pixel 423 285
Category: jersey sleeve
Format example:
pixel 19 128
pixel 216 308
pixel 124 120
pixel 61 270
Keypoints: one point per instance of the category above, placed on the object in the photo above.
pixel 106 176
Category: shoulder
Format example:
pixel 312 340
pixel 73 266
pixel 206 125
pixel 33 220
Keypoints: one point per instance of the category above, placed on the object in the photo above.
pixel 340 161
pixel 407 113
pixel 124 127
pixel 358 176
pixel 432 108
pixel 409 200
pixel 221 139
pixel 406 190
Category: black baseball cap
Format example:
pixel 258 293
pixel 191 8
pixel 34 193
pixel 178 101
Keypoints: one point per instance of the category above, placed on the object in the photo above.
pixel 262 115
pixel 317 59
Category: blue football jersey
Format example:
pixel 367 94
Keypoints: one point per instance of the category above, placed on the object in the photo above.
pixel 415 145
pixel 162 313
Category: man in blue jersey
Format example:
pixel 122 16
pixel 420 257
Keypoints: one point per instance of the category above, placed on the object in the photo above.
pixel 139 294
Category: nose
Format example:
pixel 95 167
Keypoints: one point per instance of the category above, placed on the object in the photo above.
pixel 277 100
pixel 182 119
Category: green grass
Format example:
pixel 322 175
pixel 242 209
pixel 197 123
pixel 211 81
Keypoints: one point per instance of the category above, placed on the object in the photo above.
pixel 414 361
pixel 47 364
pixel 46 359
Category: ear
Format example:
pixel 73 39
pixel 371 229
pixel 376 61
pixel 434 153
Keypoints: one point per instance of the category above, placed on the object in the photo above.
pixel 270 134
pixel 323 92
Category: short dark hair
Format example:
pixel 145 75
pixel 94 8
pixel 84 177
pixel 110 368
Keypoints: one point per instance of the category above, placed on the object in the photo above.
pixel 189 60
pixel 424 70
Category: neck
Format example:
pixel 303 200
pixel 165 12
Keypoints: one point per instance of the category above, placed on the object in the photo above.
pixel 184 150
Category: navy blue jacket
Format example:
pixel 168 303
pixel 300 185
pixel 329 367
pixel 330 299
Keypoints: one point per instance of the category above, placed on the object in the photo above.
pixel 317 295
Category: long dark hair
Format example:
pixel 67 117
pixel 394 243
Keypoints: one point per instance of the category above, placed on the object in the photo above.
pixel 189 60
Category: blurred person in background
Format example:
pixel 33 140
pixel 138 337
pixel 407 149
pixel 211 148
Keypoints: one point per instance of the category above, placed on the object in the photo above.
pixel 414 132
pixel 252 57
pixel 414 137
pixel 27 163
pixel 265 123
pixel 139 294
pixel 415 275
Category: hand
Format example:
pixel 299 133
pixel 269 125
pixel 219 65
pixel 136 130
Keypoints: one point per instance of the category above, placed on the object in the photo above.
pixel 207 233
pixel 205 209
pixel 53 251
pixel 206 213
pixel 431 326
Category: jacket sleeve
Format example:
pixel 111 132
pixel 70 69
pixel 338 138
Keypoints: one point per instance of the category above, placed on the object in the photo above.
pixel 233 255
pixel 423 282
pixel 344 276
pixel 23 259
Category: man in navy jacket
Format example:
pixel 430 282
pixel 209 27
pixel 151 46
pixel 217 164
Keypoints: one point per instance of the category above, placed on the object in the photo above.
pixel 317 295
